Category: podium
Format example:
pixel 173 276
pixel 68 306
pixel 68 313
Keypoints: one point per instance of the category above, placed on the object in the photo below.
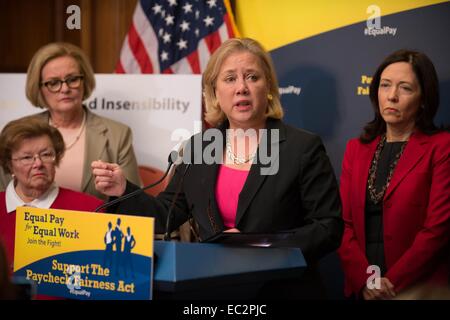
pixel 217 271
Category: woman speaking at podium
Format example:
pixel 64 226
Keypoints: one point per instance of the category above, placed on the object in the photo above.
pixel 298 194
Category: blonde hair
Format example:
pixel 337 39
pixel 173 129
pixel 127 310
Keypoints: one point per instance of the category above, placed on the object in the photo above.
pixel 50 52
pixel 214 114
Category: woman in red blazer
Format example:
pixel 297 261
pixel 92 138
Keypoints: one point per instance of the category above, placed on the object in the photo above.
pixel 395 186
pixel 30 149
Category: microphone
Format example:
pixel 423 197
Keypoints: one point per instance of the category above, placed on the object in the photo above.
pixel 173 157
pixel 172 204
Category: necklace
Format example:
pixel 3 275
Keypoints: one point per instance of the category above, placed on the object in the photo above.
pixel 77 137
pixel 374 195
pixel 234 158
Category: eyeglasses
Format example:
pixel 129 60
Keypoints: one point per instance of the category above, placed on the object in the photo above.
pixel 45 157
pixel 54 85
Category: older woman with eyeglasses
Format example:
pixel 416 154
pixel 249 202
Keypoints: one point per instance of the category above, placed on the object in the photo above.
pixel 31 150
pixel 59 79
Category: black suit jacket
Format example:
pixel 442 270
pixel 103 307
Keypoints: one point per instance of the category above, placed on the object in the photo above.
pixel 302 196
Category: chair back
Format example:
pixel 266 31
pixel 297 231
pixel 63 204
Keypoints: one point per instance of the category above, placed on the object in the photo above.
pixel 150 175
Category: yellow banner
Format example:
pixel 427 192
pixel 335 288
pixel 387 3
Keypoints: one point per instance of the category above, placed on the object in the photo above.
pixel 84 255
pixel 278 23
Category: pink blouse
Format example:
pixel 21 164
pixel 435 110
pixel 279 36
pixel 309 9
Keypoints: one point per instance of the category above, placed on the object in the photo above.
pixel 229 184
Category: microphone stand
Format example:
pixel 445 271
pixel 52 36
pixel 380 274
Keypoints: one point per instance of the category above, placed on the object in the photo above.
pixel 172 205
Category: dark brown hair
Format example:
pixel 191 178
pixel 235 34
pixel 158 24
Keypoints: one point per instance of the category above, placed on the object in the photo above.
pixel 7 290
pixel 16 131
pixel 429 85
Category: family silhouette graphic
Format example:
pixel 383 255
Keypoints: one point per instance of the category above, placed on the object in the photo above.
pixel 118 249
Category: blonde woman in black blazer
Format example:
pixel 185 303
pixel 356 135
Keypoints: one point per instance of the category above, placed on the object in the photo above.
pixel 296 192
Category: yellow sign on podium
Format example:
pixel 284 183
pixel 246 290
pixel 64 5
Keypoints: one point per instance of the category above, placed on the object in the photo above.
pixel 85 255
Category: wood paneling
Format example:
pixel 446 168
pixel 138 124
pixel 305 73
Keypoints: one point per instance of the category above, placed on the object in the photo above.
pixel 26 25
pixel 111 23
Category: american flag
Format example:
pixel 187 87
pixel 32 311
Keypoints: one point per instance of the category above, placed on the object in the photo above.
pixel 175 36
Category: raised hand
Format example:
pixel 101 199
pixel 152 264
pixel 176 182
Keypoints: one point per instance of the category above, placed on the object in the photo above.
pixel 109 178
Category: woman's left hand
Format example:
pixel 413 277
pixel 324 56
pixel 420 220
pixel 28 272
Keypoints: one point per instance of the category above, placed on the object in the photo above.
pixel 385 292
